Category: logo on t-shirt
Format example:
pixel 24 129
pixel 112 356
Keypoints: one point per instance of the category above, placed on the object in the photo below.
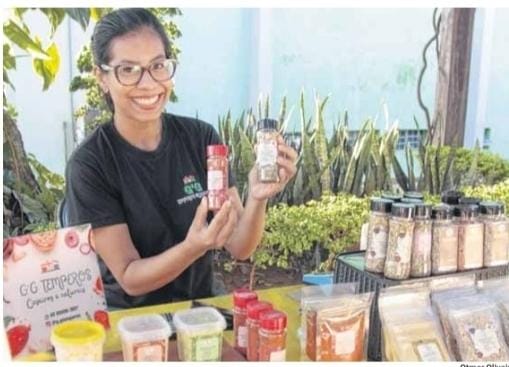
pixel 192 190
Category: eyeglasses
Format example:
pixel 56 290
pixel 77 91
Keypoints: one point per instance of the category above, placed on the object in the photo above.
pixel 129 75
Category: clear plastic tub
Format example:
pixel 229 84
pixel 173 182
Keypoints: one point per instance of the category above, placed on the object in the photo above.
pixel 199 334
pixel 78 340
pixel 144 338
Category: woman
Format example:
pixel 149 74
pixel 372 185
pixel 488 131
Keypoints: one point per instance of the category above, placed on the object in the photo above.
pixel 140 180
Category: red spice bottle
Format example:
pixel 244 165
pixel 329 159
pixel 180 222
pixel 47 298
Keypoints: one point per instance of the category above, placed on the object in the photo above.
pixel 241 297
pixel 217 175
pixel 254 310
pixel 272 336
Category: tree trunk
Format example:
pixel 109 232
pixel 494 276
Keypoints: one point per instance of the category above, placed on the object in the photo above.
pixel 15 158
pixel 453 75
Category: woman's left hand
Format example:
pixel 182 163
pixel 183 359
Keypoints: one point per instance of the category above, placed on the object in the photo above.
pixel 286 160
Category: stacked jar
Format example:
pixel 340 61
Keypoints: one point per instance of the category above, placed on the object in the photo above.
pixel 470 237
pixel 399 244
pixel 496 234
pixel 254 310
pixel 241 298
pixel 272 336
pixel 421 245
pixel 444 248
pixel 378 231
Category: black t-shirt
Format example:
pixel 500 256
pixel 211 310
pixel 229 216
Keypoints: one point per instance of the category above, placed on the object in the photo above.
pixel 109 181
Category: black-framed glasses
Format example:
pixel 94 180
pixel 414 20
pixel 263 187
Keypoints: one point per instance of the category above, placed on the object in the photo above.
pixel 129 74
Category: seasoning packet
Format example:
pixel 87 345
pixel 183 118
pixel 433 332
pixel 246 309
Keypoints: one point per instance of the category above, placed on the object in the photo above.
pixel 410 329
pixel 477 329
pixel 441 300
pixel 498 291
pixel 312 298
pixel 342 329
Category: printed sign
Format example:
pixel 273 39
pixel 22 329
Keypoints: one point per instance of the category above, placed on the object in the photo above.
pixel 49 278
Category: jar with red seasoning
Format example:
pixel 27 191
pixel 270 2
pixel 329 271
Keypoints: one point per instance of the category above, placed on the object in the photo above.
pixel 254 310
pixel 272 336
pixel 241 297
pixel 217 176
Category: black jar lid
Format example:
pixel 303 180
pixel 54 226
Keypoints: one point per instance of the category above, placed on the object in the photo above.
pixel 491 208
pixel 414 195
pixel 381 205
pixel 422 210
pixel 468 210
pixel 403 210
pixel 451 197
pixel 391 196
pixel 267 124
pixel 411 201
pixel 469 200
pixel 442 211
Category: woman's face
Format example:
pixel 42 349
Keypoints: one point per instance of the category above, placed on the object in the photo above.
pixel 145 101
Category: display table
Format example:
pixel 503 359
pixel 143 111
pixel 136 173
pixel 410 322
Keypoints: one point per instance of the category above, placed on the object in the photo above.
pixel 280 298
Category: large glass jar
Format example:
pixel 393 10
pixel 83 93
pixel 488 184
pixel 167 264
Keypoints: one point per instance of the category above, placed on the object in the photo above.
pixel 470 237
pixel 378 231
pixel 399 244
pixel 421 245
pixel 444 248
pixel 496 234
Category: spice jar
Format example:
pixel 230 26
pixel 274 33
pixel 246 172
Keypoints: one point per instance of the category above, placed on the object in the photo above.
pixel 254 310
pixel 496 234
pixel 266 151
pixel 451 197
pixel 399 244
pixel 378 231
pixel 470 237
pixel 421 245
pixel 241 298
pixel 444 248
pixel 217 176
pixel 413 195
pixel 272 336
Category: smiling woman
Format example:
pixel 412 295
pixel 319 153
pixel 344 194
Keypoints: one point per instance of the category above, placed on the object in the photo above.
pixel 140 179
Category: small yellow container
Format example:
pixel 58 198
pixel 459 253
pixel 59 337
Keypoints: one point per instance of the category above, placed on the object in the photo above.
pixel 78 340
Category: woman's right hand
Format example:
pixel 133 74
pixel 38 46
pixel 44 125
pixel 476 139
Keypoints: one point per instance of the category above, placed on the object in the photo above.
pixel 216 234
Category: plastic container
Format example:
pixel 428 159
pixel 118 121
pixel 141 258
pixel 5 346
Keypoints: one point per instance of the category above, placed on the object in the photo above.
pixel 241 298
pixel 78 340
pixel 266 151
pixel 422 240
pixel 470 237
pixel 496 234
pixel 378 232
pixel 199 334
pixel 217 176
pixel 444 248
pixel 144 338
pixel 272 336
pixel 254 310
pixel 399 243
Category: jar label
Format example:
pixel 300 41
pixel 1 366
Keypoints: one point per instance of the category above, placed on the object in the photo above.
pixel 278 356
pixel 496 243
pixel 429 352
pixel 242 336
pixel 485 341
pixel 446 248
pixel 266 154
pixel 149 351
pixel 345 342
pixel 215 180
pixel 471 245
pixel 377 239
pixel 208 348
